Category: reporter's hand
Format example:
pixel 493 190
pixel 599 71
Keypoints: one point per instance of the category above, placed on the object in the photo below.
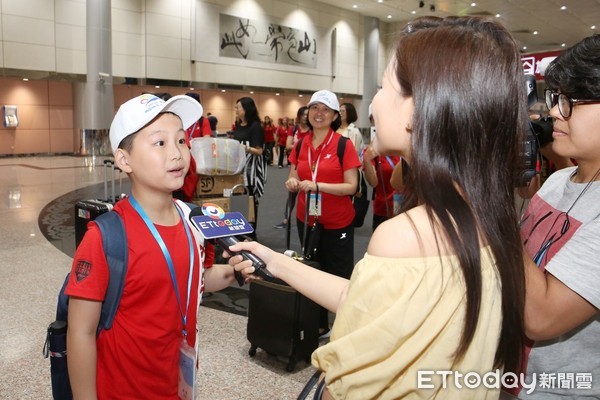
pixel 245 266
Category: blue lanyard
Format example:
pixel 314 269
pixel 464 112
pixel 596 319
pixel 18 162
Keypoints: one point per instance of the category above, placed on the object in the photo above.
pixel 389 160
pixel 168 258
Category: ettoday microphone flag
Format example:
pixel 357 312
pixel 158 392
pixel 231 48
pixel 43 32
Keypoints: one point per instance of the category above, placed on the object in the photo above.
pixel 215 223
pixel 223 227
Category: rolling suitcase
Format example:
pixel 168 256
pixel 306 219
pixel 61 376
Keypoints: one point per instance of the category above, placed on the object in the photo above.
pixel 88 210
pixel 281 321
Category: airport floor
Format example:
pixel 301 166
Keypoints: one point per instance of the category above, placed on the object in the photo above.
pixel 36 247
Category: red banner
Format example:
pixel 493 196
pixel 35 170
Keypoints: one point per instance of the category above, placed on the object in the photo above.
pixel 536 63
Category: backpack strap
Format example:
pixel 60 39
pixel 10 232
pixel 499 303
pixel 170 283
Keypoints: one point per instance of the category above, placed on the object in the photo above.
pixel 114 242
pixel 341 148
pixel 298 146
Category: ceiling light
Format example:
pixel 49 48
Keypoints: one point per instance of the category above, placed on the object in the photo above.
pixel 223 90
pixel 497 15
pixel 473 4
pixel 300 95
pixel 26 79
pixel 380 1
pixel 355 6
pixel 524 47
pixel 593 27
pixel 192 88
pixel 535 32
pixel 563 45
pixel 563 8
pixel 276 94
pixel 413 12
pixel 251 92
pixel 157 87
pixel 389 17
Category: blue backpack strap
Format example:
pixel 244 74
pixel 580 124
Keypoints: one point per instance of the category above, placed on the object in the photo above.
pixel 114 242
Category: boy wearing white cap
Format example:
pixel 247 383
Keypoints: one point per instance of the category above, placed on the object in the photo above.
pixel 140 356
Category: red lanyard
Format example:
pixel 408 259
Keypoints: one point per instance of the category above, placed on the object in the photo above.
pixel 315 167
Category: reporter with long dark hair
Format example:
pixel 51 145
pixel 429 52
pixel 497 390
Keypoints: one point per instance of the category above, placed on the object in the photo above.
pixel 442 285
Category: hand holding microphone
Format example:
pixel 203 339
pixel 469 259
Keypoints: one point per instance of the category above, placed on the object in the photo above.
pixel 213 223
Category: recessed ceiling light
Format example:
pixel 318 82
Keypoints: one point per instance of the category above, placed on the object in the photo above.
pixel 563 45
pixel 355 6
pixel 276 94
pixel 535 32
pixel 563 8
pixel 389 17
pixel 413 12
pixel 473 4
pixel 593 27
pixel 524 47
pixel 26 79
pixel 497 15
pixel 380 1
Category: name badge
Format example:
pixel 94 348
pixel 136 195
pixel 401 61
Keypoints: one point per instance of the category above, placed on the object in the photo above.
pixel 187 371
pixel 314 204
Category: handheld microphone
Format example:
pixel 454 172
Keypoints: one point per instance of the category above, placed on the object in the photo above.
pixel 213 223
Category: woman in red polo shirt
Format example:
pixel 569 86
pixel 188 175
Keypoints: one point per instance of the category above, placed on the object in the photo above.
pixel 317 168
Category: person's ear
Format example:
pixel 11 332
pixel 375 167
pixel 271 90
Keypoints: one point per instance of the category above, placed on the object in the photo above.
pixel 122 160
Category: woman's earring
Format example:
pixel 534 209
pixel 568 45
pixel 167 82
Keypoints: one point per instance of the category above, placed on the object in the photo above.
pixel 408 128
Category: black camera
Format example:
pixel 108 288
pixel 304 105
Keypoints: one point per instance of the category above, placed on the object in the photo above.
pixel 529 145
pixel 542 129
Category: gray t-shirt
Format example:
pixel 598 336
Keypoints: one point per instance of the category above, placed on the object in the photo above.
pixel 567 367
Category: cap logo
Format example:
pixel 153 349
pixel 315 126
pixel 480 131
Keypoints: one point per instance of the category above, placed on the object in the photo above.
pixel 150 102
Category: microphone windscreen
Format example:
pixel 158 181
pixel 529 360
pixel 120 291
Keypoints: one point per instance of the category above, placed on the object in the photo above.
pixel 195 212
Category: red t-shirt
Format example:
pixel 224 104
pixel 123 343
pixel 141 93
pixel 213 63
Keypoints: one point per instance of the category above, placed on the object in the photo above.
pixel 138 357
pixel 269 133
pixel 283 133
pixel 336 211
pixel 379 203
pixel 299 134
pixel 198 130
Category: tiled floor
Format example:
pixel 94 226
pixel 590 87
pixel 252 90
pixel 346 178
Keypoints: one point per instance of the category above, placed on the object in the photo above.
pixel 32 270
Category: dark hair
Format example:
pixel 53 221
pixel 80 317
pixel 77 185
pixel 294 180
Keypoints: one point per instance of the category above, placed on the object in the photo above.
pixel 194 96
pixel 250 111
pixel 300 112
pixel 576 71
pixel 469 116
pixel 351 115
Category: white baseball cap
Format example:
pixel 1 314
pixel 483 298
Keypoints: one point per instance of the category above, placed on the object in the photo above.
pixel 136 113
pixel 326 97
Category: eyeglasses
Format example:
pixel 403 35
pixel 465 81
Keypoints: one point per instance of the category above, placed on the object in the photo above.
pixel 565 103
